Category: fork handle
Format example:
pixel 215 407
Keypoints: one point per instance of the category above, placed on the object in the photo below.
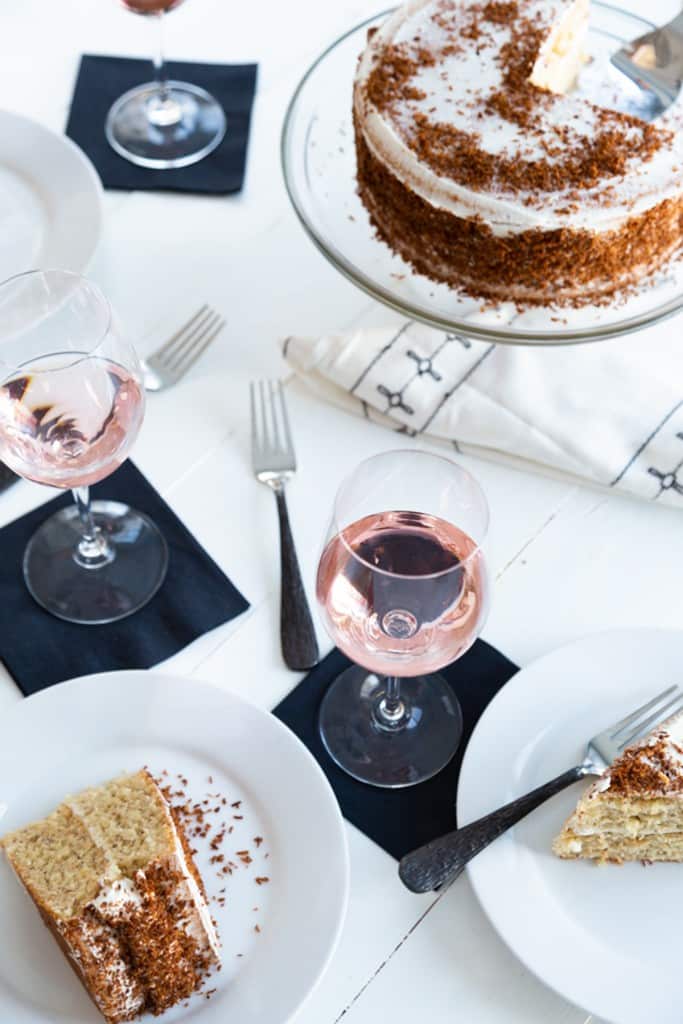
pixel 297 633
pixel 441 861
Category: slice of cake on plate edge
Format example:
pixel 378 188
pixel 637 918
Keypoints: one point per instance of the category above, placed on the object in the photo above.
pixel 112 875
pixel 634 811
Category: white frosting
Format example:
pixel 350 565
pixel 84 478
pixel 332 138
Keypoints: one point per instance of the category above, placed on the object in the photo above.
pixel 116 897
pixel 473 74
pixel 202 930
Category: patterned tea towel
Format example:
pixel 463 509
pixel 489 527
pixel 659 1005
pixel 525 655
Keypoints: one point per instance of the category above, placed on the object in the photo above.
pixel 610 412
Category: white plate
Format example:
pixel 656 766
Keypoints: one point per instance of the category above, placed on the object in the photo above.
pixel 609 938
pixel 87 731
pixel 50 200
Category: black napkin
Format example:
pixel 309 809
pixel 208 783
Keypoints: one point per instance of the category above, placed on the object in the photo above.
pixel 399 820
pixel 196 596
pixel 101 80
pixel 7 477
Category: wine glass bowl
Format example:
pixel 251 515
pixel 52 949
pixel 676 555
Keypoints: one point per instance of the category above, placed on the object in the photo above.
pixel 72 403
pixel 403 590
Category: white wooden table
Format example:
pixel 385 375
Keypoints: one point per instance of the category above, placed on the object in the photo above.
pixel 567 560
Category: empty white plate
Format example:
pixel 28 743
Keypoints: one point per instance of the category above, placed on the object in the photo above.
pixel 50 200
pixel 607 938
pixel 277 937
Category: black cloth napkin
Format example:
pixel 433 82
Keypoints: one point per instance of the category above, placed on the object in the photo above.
pixel 101 80
pixel 399 820
pixel 40 650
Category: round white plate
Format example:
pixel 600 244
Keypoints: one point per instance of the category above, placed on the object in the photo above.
pixel 91 729
pixel 50 200
pixel 607 938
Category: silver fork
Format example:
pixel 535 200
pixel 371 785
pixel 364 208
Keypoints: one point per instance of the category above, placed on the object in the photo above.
pixel 441 861
pixel 654 62
pixel 274 462
pixel 169 363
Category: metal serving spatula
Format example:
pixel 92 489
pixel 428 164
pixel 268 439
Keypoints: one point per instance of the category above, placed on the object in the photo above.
pixel 655 63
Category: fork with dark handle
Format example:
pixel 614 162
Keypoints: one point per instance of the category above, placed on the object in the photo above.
pixel 274 462
pixel 299 644
pixel 440 862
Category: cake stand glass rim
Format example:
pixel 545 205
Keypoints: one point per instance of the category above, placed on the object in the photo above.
pixel 477 332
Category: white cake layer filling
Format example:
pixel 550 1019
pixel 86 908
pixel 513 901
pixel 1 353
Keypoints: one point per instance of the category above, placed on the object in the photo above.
pixel 475 73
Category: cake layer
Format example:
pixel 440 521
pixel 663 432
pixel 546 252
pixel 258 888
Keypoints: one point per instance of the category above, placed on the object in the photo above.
pixel 618 849
pixel 112 875
pixel 58 863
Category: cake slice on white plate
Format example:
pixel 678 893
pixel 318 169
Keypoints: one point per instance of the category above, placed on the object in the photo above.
pixel 635 809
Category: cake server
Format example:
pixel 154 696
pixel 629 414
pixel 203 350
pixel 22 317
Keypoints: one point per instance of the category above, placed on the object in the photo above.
pixel 654 62
pixel 440 862
pixel 274 461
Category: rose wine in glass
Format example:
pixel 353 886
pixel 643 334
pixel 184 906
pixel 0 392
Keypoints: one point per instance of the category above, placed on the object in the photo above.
pixel 403 590
pixel 71 406
pixel 164 124
pixel 57 433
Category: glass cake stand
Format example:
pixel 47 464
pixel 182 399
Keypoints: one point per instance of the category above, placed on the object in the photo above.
pixel 319 164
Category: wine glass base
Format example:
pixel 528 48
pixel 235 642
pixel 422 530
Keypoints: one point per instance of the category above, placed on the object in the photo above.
pixel 96 596
pixel 182 130
pixel 397 758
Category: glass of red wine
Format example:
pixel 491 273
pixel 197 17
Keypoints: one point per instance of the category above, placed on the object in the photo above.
pixel 71 404
pixel 403 588
pixel 164 124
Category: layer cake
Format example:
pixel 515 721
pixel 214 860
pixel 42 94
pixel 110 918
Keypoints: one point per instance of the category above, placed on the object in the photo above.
pixel 481 168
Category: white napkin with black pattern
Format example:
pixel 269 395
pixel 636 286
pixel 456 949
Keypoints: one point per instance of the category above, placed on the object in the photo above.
pixel 610 413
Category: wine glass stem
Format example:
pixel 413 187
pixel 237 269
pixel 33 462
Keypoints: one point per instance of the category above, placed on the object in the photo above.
pixel 163 111
pixel 391 713
pixel 93 549
pixel 159 59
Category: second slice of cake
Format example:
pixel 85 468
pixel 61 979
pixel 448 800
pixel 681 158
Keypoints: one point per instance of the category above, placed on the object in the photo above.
pixel 112 875
pixel 635 809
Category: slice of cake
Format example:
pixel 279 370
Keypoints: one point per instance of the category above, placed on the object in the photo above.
pixel 113 878
pixel 635 809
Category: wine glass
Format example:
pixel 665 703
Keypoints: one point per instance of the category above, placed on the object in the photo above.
pixel 403 588
pixel 71 405
pixel 164 124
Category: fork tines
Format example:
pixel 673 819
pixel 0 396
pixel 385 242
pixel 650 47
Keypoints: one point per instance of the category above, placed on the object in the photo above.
pixel 270 431
pixel 635 725
pixel 187 344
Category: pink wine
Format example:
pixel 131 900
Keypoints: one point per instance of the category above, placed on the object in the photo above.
pixel 402 593
pixel 151 6
pixel 69 424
